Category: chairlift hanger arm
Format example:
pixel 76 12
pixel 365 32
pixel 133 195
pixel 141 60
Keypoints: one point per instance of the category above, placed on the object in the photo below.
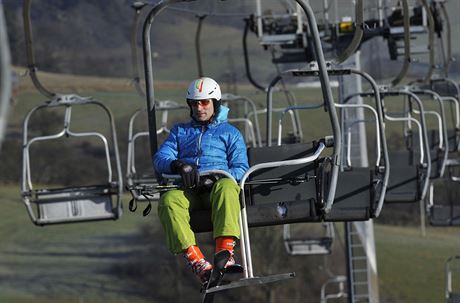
pixel 407 59
pixel 32 68
pixel 198 46
pixel 137 6
pixel 358 35
pixel 450 58
pixel 5 76
pixel 148 70
pixel 247 65
pixel 430 40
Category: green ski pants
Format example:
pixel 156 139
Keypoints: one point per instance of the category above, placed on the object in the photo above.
pixel 174 206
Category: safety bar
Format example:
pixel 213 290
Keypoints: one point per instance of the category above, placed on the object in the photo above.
pixel 457 110
pixel 231 97
pixel 440 128
pixel 398 119
pixel 436 97
pixel 348 152
pixel 67 101
pixel 377 131
pixel 289 110
pixel 248 125
pixel 247 260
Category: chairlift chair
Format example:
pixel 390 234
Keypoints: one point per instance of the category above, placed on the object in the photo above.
pixel 72 204
pixel 253 214
pixel 444 203
pixel 360 191
pixel 411 168
pixel 441 147
pixel 79 203
pixel 283 33
pixel 309 245
pixel 449 90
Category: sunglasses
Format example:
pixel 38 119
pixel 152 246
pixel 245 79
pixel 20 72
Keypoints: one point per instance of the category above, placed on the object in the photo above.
pixel 203 103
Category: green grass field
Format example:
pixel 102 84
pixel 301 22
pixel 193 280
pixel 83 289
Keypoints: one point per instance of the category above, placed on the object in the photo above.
pixel 411 267
pixel 75 263
pixel 65 263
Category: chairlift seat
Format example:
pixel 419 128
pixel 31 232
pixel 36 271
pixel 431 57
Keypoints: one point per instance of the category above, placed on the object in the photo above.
pixel 454 298
pixel 404 183
pixel 292 196
pixel 354 197
pixel 445 210
pixel 86 203
pixel 283 195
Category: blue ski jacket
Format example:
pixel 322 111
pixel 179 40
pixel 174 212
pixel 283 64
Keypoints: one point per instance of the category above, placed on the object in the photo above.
pixel 217 145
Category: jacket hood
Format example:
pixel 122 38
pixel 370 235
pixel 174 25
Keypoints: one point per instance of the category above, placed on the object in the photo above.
pixel 223 114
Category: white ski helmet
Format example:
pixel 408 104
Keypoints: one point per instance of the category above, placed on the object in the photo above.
pixel 203 88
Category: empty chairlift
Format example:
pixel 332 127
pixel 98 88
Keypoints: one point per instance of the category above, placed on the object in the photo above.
pixel 100 201
pixel 309 241
pixel 360 191
pixel 449 91
pixel 411 166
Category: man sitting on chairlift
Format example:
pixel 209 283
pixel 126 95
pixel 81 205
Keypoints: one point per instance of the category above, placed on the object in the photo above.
pixel 207 142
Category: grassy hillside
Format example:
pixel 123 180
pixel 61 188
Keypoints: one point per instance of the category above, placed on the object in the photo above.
pixel 77 263
pixel 411 267
pixel 95 262
pixel 67 263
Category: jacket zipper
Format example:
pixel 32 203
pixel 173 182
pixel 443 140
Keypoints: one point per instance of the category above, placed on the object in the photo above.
pixel 203 129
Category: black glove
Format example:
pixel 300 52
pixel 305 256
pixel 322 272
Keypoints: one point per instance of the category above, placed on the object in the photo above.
pixel 207 182
pixel 189 173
